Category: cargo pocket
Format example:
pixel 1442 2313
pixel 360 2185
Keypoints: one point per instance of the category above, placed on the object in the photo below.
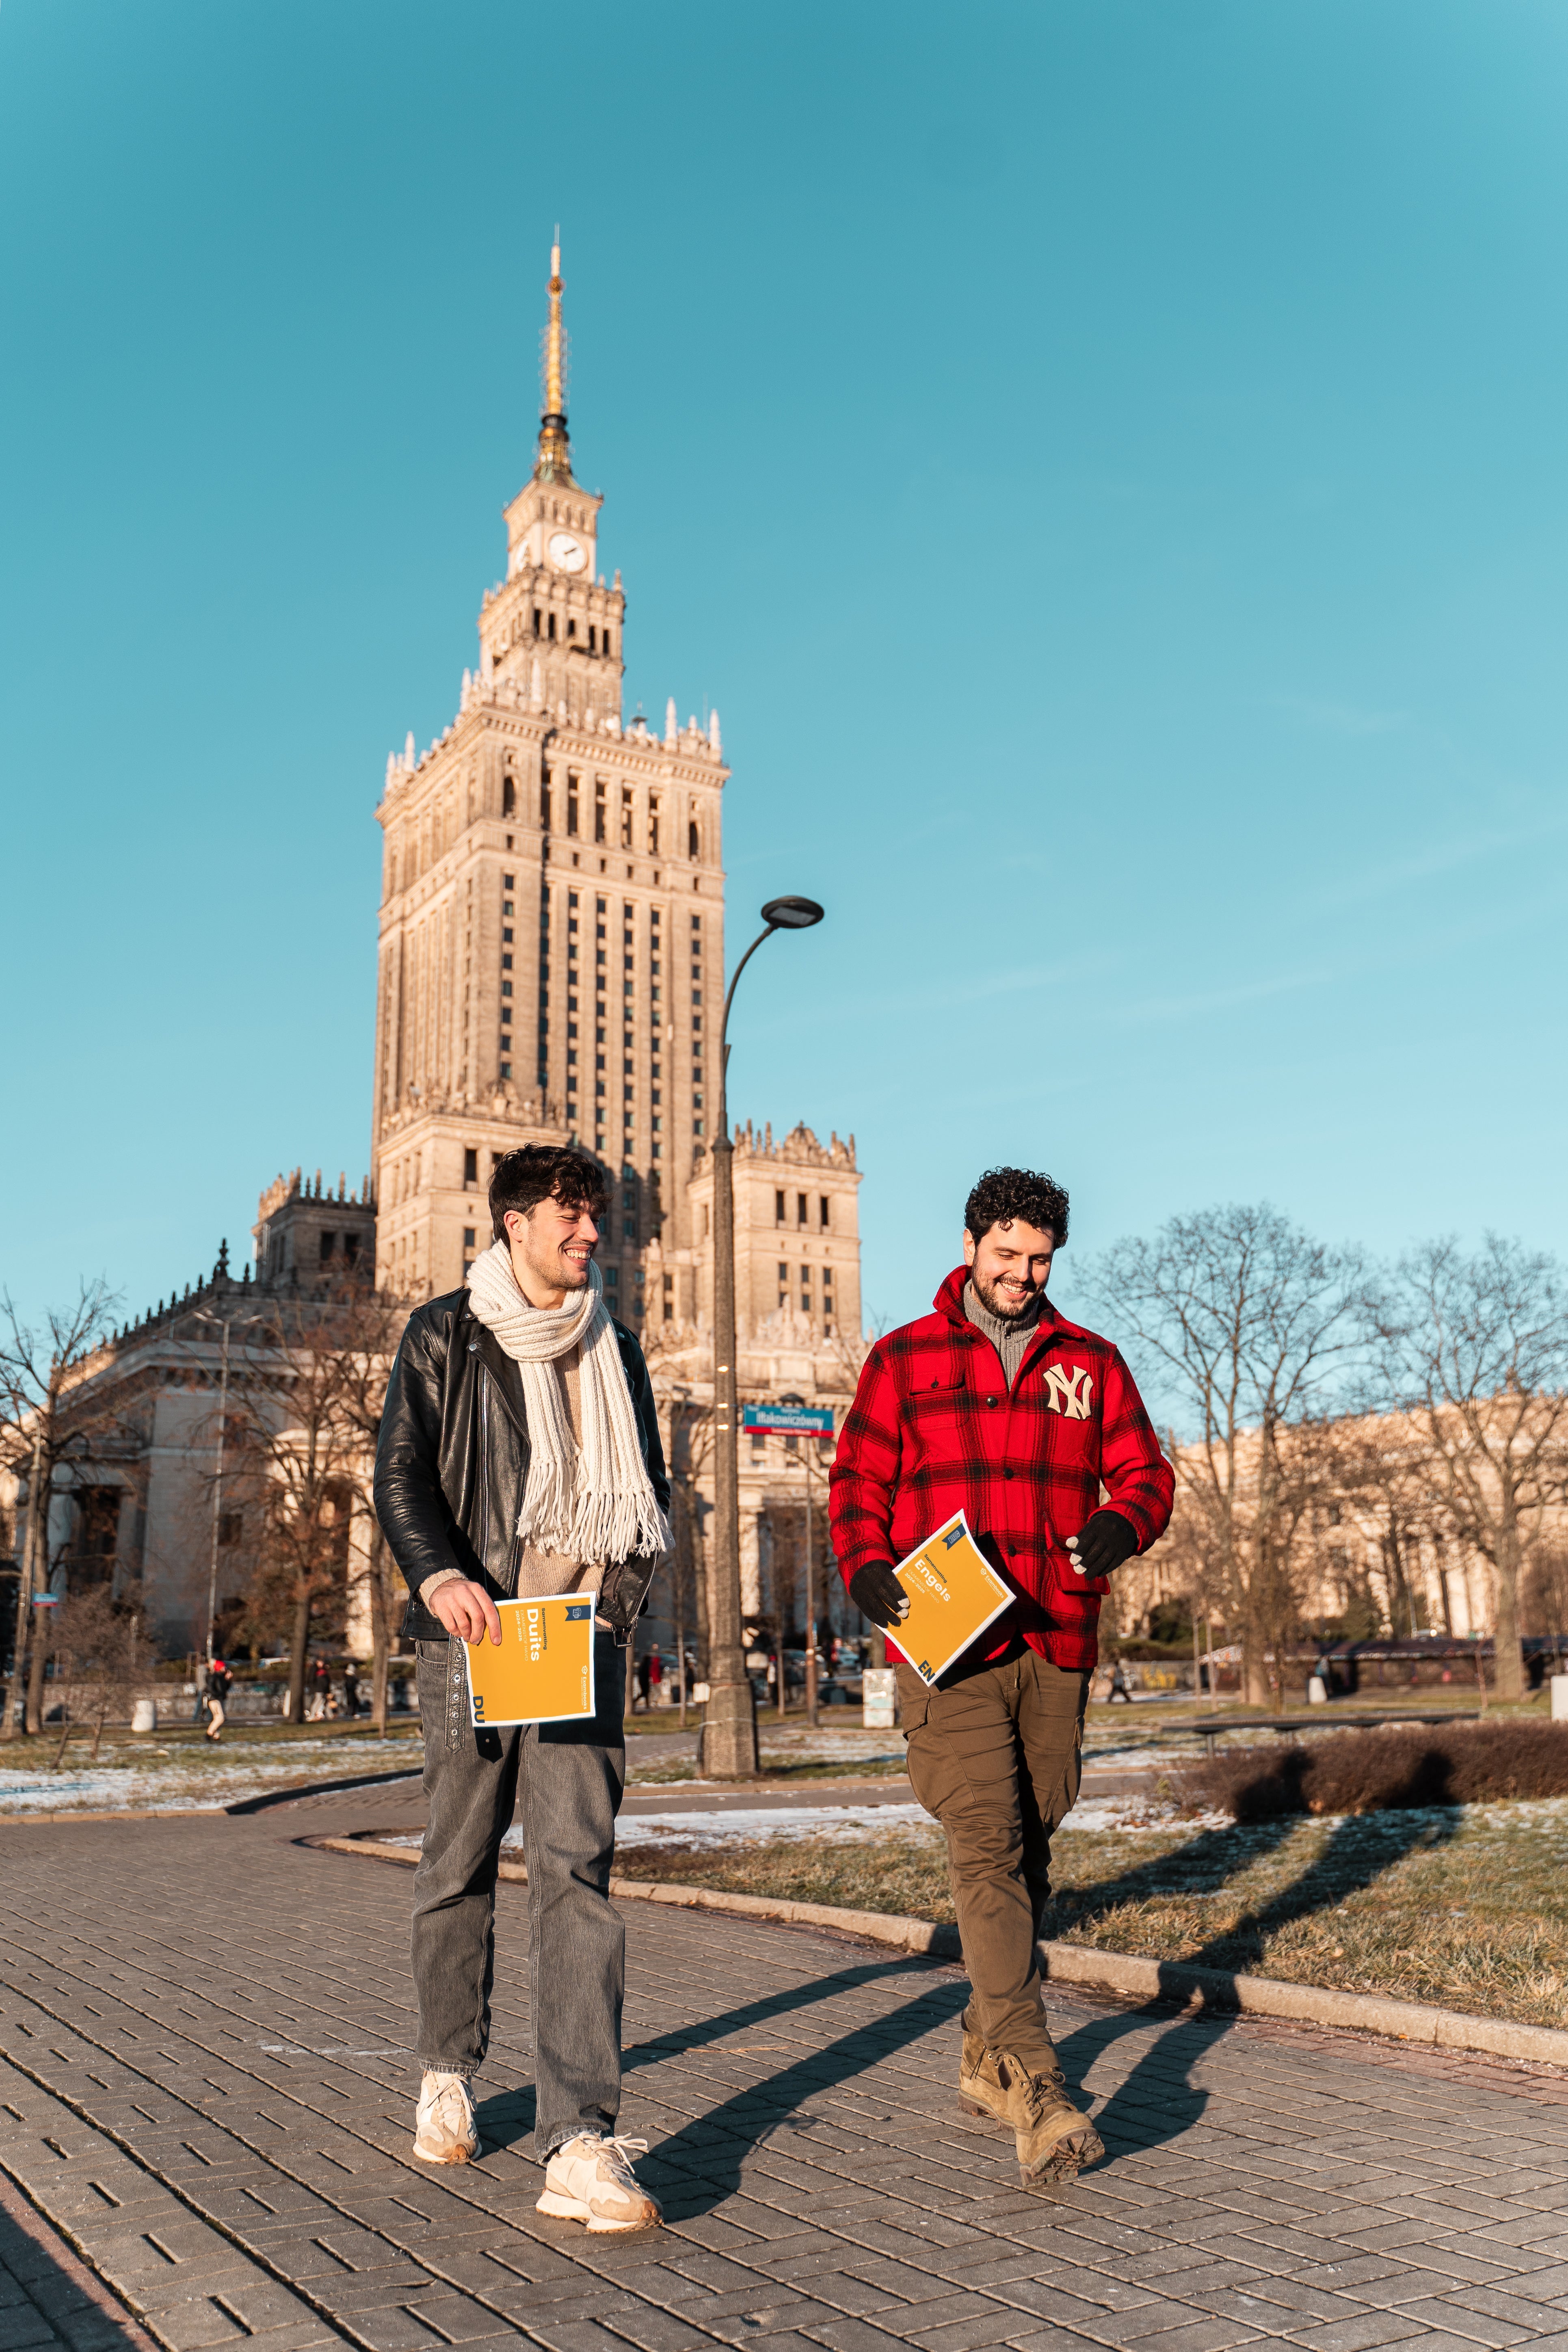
pixel 914 1699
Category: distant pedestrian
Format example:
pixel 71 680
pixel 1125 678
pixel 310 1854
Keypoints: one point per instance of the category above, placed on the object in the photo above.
pixel 645 1676
pixel 220 1682
pixel 220 1685
pixel 653 1688
pixel 351 1689
pixel 995 1404
pixel 1119 1684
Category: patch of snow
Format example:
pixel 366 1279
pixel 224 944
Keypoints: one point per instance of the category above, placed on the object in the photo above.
pixel 197 1780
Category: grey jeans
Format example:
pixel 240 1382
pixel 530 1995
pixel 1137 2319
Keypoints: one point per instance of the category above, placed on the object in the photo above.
pixel 569 1776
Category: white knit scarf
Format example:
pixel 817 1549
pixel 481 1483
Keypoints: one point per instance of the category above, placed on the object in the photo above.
pixel 593 1503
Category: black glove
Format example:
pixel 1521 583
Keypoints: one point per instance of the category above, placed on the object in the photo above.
pixel 877 1594
pixel 1105 1541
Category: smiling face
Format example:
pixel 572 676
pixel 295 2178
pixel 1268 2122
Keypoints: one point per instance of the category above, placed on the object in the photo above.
pixel 552 1249
pixel 1009 1266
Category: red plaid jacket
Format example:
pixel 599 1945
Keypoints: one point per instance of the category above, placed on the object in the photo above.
pixel 934 1429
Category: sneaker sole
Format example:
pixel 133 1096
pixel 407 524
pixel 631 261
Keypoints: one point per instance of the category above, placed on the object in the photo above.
pixel 573 2208
pixel 1071 2153
pixel 454 2154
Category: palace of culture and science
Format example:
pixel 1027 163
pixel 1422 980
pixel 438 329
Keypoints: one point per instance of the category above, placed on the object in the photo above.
pixel 550 969
pixel 551 961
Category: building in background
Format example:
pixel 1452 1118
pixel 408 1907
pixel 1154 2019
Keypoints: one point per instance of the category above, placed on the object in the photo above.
pixel 552 970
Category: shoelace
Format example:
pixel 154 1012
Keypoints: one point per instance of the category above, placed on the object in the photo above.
pixel 621 2149
pixel 450 2106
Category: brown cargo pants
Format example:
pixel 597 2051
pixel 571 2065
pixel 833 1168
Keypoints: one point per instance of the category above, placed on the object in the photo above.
pixel 996 1756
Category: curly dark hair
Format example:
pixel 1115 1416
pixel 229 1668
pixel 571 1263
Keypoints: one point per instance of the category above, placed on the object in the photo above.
pixel 545 1171
pixel 1005 1194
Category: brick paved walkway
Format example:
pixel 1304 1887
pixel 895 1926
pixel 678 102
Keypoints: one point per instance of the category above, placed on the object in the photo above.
pixel 204 2082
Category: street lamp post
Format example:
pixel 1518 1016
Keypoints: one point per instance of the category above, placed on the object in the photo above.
pixel 729 1748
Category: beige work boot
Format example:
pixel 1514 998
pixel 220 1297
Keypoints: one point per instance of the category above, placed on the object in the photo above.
pixel 1053 2139
pixel 444 2130
pixel 591 2180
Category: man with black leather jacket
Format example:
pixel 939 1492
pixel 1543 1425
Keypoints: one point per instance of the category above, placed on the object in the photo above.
pixel 520 1455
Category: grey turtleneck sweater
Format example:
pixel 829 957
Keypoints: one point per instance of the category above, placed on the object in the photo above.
pixel 1010 1339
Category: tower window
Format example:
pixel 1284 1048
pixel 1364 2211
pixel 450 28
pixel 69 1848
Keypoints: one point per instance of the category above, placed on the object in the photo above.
pixel 544 798
pixel 470 1167
pixel 653 824
pixel 538 621
pixel 553 627
pixel 599 809
pixel 571 628
pixel 778 1208
pixel 593 639
pixel 823 1206
pixel 625 816
pixel 693 840
pixel 572 781
pixel 801 1217
pixel 507 794
pixel 606 641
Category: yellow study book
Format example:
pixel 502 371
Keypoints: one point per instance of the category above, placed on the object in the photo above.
pixel 954 1593
pixel 542 1671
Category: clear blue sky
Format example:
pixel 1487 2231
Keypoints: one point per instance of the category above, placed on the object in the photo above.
pixel 1105 462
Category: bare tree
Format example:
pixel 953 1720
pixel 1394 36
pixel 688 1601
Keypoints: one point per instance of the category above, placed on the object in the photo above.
pixel 367 1328
pixel 1247 1328
pixel 42 1418
pixel 1476 1349
pixel 1547 1607
pixel 99 1649
pixel 300 1424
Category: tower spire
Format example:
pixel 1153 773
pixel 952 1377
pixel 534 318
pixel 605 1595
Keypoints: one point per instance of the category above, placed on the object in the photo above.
pixel 555 460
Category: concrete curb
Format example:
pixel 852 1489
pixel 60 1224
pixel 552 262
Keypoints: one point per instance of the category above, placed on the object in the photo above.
pixel 1122 1972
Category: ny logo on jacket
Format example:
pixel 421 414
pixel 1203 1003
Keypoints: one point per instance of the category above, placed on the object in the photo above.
pixel 934 1428
pixel 1070 1392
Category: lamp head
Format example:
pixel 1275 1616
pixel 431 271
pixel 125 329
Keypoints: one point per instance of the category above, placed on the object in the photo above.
pixel 793 914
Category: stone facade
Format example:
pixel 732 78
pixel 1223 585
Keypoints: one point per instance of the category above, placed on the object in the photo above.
pixel 136 1505
pixel 551 957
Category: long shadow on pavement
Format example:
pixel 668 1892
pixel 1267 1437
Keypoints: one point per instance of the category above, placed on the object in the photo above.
pixel 507 2117
pixel 700 2164
pixel 1149 2108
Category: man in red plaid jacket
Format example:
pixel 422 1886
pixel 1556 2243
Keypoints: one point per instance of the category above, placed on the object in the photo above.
pixel 997 1405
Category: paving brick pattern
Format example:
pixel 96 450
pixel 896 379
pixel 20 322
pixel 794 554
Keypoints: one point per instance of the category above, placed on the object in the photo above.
pixel 50 2300
pixel 205 2025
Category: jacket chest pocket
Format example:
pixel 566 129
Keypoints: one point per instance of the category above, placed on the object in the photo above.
pixel 936 1399
pixel 935 1413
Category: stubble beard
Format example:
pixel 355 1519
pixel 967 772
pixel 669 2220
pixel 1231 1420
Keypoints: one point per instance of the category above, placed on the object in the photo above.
pixel 562 1273
pixel 997 1303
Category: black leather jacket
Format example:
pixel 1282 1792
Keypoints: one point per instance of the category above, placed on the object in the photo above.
pixel 451 1463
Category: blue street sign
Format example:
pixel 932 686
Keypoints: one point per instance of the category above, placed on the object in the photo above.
pixel 789 1420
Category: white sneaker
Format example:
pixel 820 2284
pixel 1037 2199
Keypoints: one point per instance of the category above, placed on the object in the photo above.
pixel 591 2180
pixel 444 2131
